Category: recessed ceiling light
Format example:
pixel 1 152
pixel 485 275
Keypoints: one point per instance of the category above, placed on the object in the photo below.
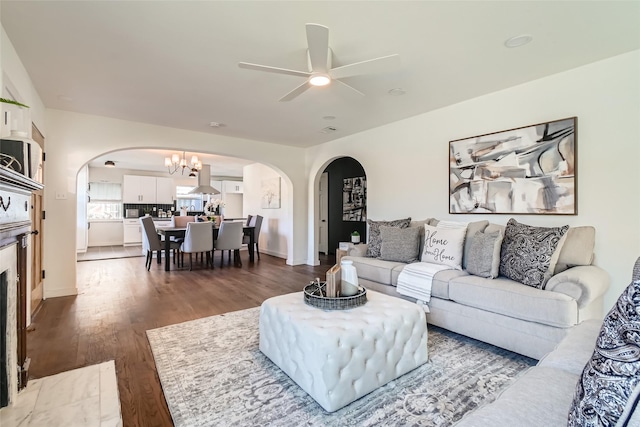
pixel 397 91
pixel 214 124
pixel 518 41
pixel 109 164
pixel 329 117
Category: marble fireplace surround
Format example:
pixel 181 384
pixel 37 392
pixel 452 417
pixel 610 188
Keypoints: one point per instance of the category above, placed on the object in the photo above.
pixel 8 263
pixel 15 231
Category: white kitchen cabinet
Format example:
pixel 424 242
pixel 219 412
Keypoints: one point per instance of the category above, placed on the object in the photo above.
pixel 139 189
pixel 105 233
pixel 232 187
pixel 132 232
pixel 147 189
pixel 165 191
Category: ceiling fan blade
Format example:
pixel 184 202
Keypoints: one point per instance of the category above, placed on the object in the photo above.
pixel 294 93
pixel 378 65
pixel 275 70
pixel 350 87
pixel 318 42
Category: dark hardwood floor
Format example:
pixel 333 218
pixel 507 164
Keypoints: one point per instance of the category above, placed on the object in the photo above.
pixel 118 301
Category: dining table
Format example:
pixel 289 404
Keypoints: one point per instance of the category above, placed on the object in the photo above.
pixel 179 233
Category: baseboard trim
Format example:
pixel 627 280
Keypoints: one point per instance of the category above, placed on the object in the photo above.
pixel 54 293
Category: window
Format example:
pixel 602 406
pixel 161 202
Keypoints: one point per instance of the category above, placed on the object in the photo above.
pixel 192 202
pixel 105 201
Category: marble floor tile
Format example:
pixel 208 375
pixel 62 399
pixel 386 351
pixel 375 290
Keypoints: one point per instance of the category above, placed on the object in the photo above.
pixel 109 397
pixel 19 413
pixel 82 397
pixel 68 387
pixel 81 413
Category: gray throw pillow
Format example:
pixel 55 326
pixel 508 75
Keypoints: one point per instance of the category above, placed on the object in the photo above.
pixel 483 258
pixel 472 228
pixel 529 254
pixel 607 391
pixel 399 244
pixel 373 249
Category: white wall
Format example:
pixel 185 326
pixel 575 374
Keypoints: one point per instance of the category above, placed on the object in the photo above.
pixel 275 226
pixel 13 70
pixel 407 162
pixel 82 230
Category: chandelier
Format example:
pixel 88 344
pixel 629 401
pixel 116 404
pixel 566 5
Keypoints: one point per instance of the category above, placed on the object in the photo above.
pixel 175 163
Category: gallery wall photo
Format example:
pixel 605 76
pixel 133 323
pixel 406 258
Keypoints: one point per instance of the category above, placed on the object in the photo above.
pixel 270 193
pixel 527 170
pixel 354 199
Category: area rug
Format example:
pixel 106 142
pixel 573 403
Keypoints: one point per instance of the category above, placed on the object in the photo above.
pixel 213 374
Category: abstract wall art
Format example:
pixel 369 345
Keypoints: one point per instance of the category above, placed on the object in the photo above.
pixel 527 170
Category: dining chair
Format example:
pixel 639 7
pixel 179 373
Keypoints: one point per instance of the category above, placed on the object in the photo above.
pixel 151 242
pixel 249 219
pixel 182 221
pixel 229 239
pixel 256 223
pixel 198 239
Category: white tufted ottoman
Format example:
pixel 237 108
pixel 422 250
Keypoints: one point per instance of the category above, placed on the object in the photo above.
pixel 339 356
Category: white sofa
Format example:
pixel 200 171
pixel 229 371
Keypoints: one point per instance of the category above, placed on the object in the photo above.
pixel 501 311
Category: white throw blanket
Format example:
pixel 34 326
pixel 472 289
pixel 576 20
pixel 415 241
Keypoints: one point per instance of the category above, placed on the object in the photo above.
pixel 415 279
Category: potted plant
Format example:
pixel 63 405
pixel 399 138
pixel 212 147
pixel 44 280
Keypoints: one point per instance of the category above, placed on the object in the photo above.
pixel 355 237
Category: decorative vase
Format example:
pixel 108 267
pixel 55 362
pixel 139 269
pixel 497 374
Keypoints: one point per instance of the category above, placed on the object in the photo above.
pixel 349 279
pixel 355 239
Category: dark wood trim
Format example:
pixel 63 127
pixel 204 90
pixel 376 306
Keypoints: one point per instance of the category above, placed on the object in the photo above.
pixel 21 274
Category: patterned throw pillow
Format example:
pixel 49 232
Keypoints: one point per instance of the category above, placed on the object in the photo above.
pixel 373 249
pixel 607 391
pixel 529 254
pixel 399 244
pixel 443 246
pixel 483 257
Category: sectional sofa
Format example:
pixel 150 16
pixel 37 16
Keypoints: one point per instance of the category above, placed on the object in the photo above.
pixel 501 311
pixel 586 380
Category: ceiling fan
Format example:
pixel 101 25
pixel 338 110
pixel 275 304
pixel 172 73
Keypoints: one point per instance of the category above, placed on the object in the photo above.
pixel 319 62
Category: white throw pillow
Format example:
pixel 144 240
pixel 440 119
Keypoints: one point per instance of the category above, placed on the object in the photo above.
pixel 443 246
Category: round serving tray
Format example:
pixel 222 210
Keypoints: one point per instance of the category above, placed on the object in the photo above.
pixel 311 297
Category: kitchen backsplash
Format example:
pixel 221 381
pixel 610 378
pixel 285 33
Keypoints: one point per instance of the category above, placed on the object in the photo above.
pixel 151 209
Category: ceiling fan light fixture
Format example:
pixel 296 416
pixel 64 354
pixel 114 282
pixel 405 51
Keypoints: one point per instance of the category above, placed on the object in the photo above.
pixel 319 80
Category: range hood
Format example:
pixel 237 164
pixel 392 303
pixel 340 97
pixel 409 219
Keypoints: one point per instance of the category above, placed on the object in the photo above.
pixel 204 182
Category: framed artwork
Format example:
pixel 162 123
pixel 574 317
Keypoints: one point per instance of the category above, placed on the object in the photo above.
pixel 354 199
pixel 270 193
pixel 527 170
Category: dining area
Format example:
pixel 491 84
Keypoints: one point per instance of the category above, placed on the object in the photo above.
pixel 200 239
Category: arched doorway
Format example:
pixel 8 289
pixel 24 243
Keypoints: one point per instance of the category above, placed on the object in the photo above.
pixel 346 202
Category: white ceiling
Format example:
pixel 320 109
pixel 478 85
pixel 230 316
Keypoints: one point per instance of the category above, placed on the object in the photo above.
pixel 174 63
pixel 153 160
